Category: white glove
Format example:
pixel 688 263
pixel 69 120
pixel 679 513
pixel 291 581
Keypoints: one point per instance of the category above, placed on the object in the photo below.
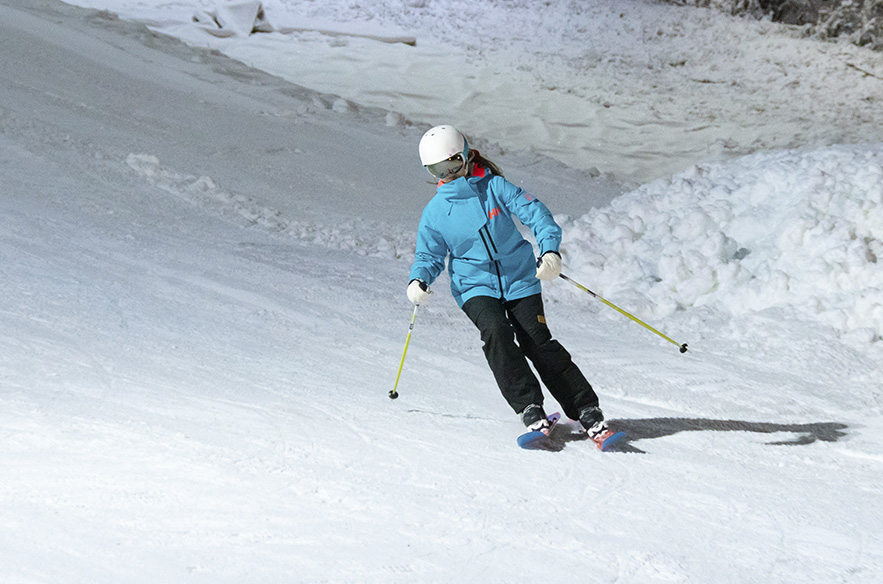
pixel 549 266
pixel 418 292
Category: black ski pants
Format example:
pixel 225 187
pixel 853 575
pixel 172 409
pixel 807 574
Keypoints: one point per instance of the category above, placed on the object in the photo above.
pixel 501 323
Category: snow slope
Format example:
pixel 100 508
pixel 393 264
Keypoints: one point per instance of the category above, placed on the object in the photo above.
pixel 202 310
pixel 638 88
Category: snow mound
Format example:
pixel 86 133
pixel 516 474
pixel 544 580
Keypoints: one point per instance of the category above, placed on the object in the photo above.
pixel 797 229
pixel 241 18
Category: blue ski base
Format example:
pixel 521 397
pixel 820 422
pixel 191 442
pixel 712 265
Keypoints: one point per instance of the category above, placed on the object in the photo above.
pixel 610 441
pixel 538 440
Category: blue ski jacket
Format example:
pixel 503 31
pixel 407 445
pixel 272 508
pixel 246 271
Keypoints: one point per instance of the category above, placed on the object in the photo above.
pixel 469 221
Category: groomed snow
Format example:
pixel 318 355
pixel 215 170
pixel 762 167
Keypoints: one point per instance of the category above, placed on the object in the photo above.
pixel 202 310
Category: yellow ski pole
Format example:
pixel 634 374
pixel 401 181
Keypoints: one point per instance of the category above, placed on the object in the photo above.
pixel 683 347
pixel 394 393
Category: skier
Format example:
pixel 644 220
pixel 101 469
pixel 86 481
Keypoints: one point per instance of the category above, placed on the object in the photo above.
pixel 495 278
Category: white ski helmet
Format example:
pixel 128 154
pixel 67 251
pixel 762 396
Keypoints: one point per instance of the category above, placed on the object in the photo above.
pixel 441 143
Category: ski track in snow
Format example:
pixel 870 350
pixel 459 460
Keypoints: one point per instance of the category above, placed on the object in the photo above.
pixel 197 351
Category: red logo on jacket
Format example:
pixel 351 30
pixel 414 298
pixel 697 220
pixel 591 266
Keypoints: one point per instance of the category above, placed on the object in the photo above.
pixel 493 213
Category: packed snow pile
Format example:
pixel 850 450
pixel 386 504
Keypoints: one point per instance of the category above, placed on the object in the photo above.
pixel 798 229
pixel 242 17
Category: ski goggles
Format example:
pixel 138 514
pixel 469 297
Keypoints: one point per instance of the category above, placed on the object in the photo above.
pixel 445 168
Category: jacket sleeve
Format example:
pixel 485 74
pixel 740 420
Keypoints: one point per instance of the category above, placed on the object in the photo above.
pixel 532 213
pixel 429 258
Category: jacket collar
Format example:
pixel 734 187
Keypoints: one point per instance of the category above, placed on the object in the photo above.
pixel 477 172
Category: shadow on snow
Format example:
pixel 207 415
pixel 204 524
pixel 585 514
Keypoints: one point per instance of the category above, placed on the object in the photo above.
pixel 650 428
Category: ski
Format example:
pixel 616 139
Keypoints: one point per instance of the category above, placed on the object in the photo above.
pixel 543 440
pixel 607 439
pixel 540 439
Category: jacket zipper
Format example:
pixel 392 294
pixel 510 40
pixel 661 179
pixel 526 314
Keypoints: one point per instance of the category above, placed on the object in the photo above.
pixel 491 256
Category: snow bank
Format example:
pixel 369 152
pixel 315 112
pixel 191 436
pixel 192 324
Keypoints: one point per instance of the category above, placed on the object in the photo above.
pixel 793 229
